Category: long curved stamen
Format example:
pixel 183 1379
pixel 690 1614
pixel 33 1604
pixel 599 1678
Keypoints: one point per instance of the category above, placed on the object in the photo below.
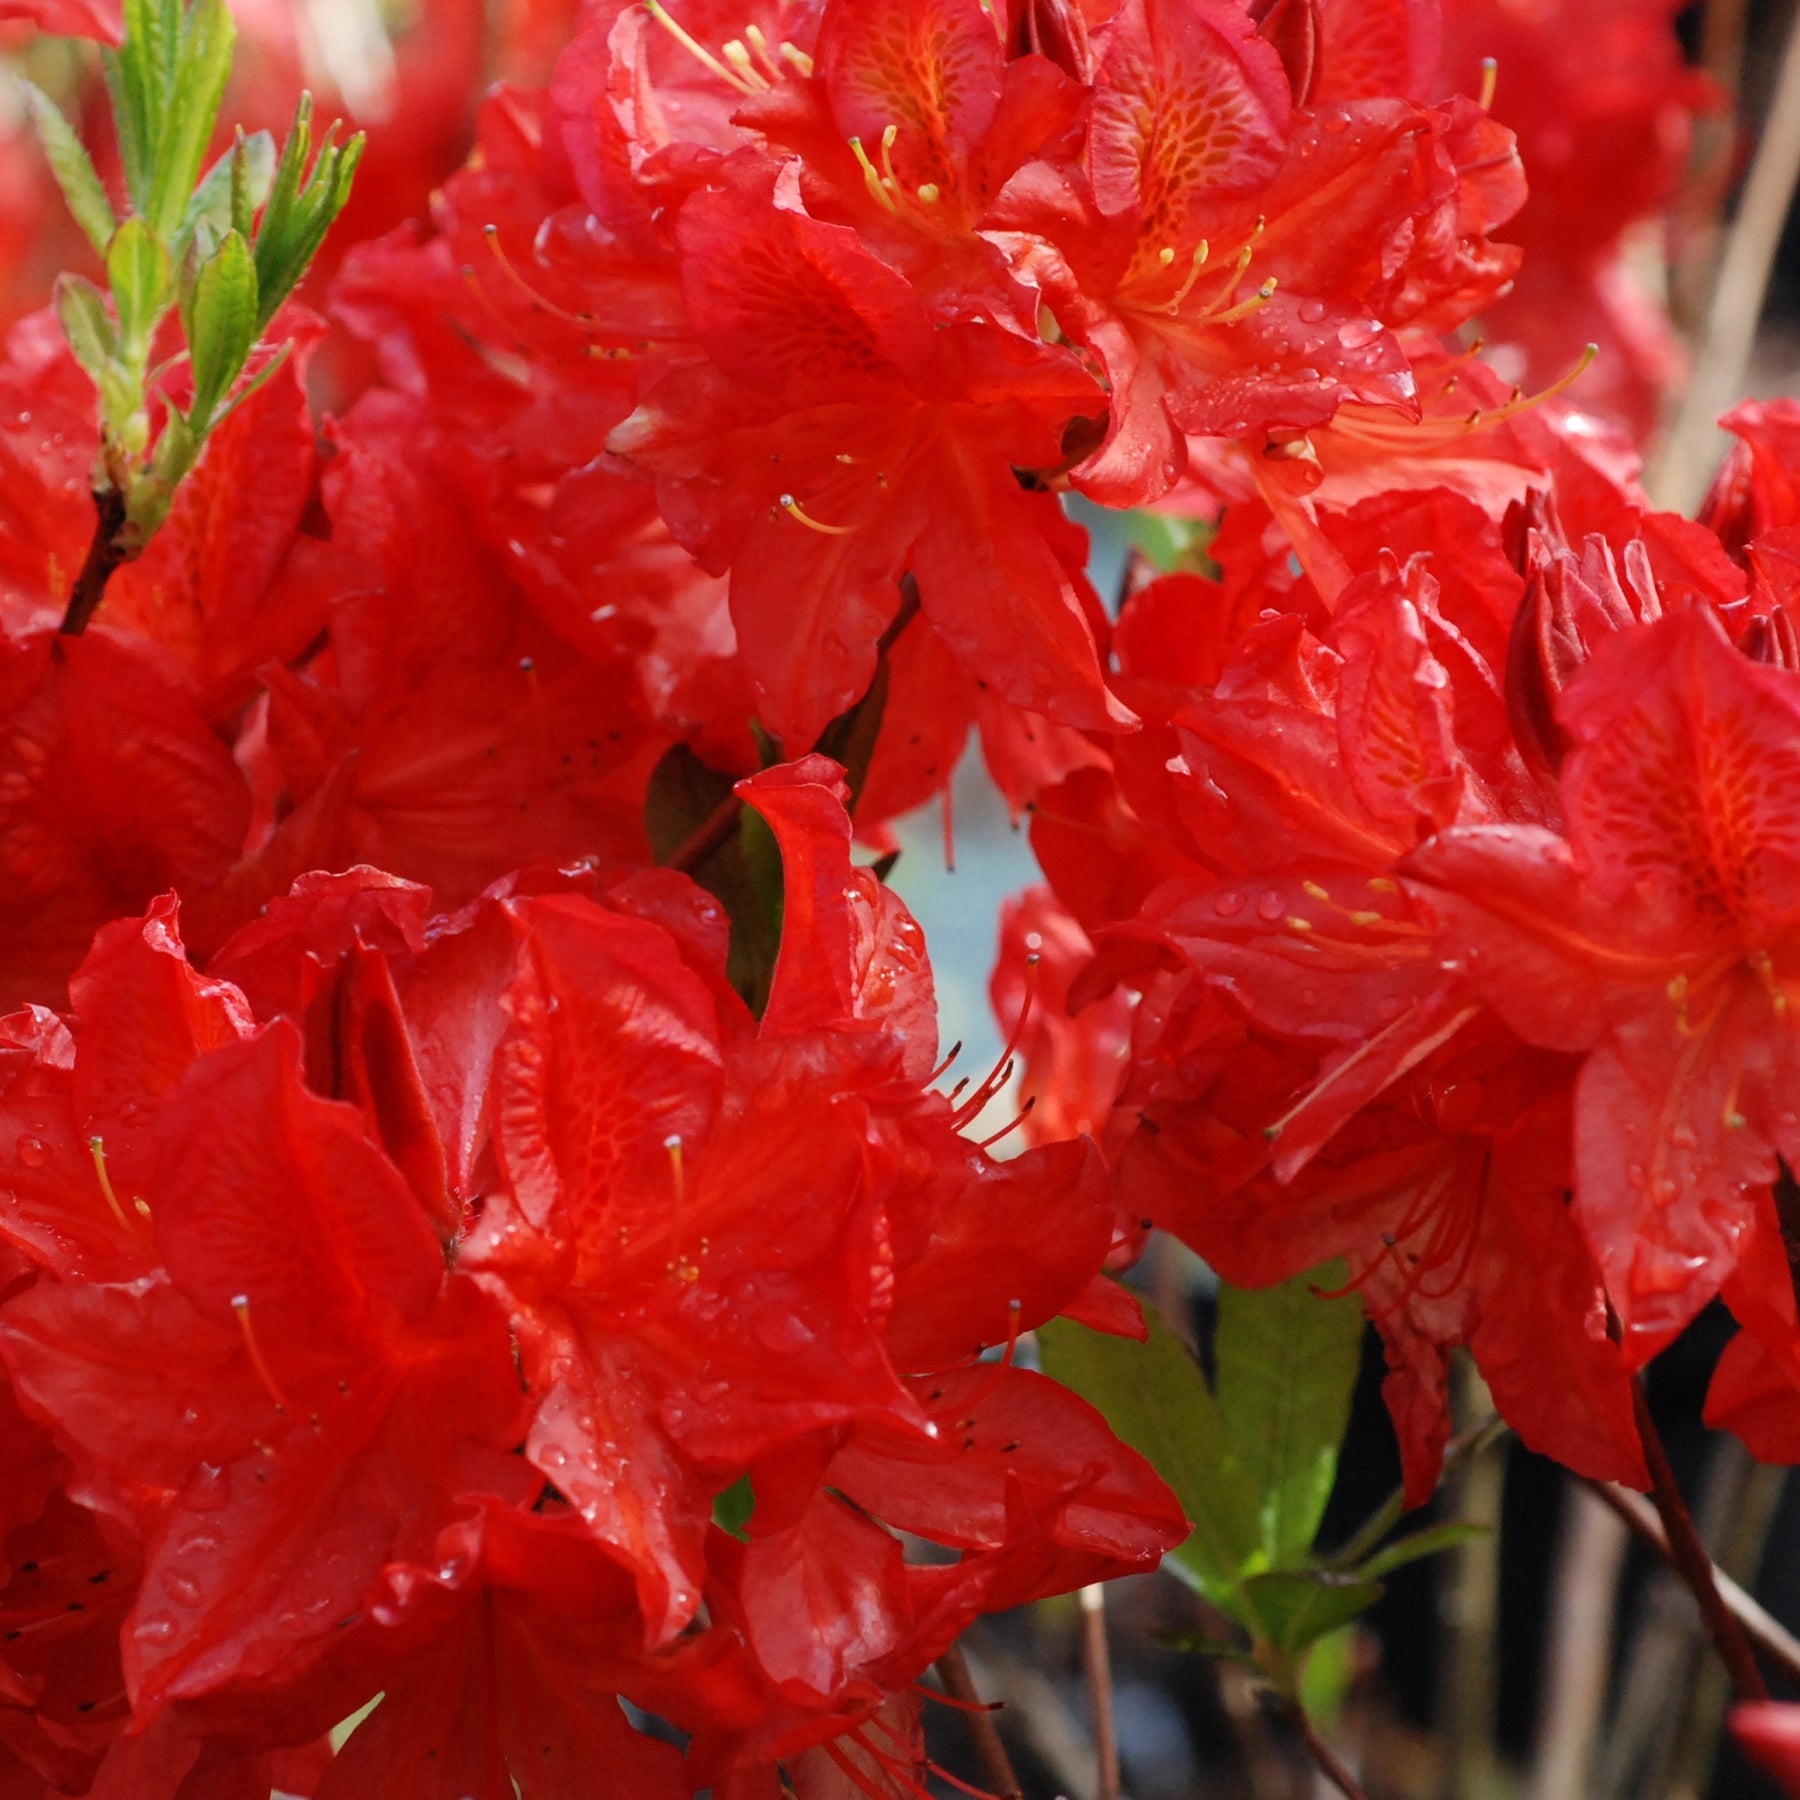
pixel 97 1150
pixel 240 1306
pixel 696 49
pixel 681 1265
pixel 1006 1130
pixel 581 321
pixel 800 516
pixel 1376 429
pixel 1002 1069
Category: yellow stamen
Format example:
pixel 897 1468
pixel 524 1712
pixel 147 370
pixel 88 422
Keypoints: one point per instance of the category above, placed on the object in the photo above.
pixel 1202 251
pixel 240 1305
pixel 1490 79
pixel 800 516
pixel 871 175
pixel 97 1150
pixel 696 49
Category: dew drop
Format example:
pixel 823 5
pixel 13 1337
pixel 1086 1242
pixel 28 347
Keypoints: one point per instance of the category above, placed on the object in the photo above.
pixel 184 1590
pixel 1228 904
pixel 1271 905
pixel 1634 1175
pixel 1684 1137
pixel 158 1630
pixel 32 1152
pixel 1358 334
pixel 1310 311
pixel 201 1543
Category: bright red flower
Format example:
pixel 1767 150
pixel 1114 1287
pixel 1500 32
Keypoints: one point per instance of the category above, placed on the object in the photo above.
pixel 838 441
pixel 1238 266
pixel 1769 1732
pixel 1658 937
pixel 214 1400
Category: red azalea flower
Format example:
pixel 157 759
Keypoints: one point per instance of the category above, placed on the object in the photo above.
pixel 1656 937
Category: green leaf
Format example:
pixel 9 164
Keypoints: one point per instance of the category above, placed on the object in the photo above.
pixel 690 812
pixel 73 168
pixel 222 324
pixel 1155 1397
pixel 235 186
pixel 202 67
pixel 1171 545
pixel 1429 1542
pixel 1287 1363
pixel 303 205
pixel 1292 1608
pixel 733 1508
pixel 81 311
pixel 137 266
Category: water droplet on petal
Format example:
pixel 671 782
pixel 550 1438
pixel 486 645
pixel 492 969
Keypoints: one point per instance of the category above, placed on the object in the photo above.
pixel 1358 334
pixel 1228 904
pixel 1271 905
pixel 1311 311
pixel 157 1630
pixel 184 1590
pixel 1684 1137
pixel 32 1152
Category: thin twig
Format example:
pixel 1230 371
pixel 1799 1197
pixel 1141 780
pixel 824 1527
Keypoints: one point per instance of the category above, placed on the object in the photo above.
pixel 1691 1562
pixel 103 560
pixel 1691 448
pixel 1760 1626
pixel 1100 1692
pixel 1330 1765
pixel 959 1684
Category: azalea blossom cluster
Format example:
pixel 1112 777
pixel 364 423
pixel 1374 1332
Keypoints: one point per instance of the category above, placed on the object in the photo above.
pixel 480 1224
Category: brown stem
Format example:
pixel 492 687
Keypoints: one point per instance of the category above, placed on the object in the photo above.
pixel 1098 1661
pixel 1760 1626
pixel 1330 1764
pixel 104 558
pixel 959 1684
pixel 1690 1561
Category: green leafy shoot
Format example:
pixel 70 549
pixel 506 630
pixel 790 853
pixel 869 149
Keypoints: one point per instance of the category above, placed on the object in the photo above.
pixel 1252 1458
pixel 221 249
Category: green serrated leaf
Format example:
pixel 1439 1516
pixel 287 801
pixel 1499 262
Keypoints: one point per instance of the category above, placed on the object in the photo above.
pixel 222 324
pixel 1287 1363
pixel 73 168
pixel 1292 1608
pixel 137 267
pixel 1429 1542
pixel 81 311
pixel 201 69
pixel 1155 1397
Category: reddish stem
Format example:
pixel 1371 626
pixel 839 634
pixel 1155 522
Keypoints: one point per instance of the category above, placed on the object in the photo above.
pixel 959 1684
pixel 1691 1561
